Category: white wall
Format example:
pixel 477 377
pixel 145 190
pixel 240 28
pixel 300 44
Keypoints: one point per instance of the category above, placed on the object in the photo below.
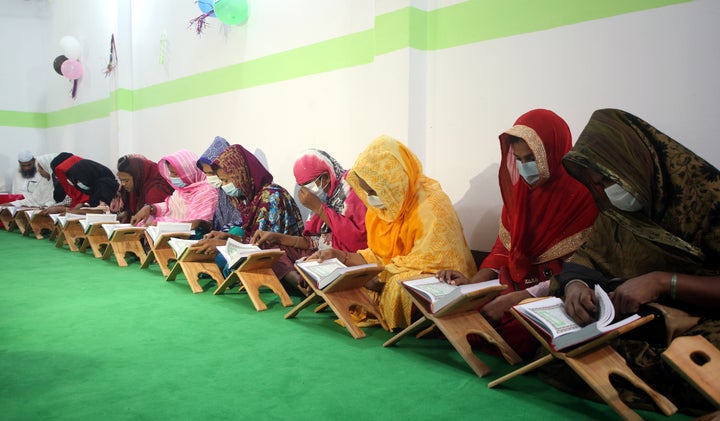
pixel 447 105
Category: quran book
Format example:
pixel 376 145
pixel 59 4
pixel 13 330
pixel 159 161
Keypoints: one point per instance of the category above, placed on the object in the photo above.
pixel 95 218
pixel 111 228
pixel 180 244
pixel 236 252
pixel 549 316
pixel 163 227
pixel 440 294
pixel 63 219
pixel 327 271
pixel 10 209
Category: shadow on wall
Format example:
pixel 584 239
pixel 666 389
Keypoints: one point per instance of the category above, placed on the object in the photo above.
pixel 479 209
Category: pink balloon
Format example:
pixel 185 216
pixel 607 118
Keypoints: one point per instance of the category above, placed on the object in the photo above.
pixel 71 69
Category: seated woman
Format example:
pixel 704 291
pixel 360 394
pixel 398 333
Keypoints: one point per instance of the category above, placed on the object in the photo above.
pixel 87 182
pixel 656 240
pixel 194 200
pixel 337 217
pixel 412 227
pixel 43 195
pixel 226 215
pixel 263 205
pixel 140 183
pixel 532 244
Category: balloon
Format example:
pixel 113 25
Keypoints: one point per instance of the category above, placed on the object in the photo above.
pixel 206 6
pixel 70 47
pixel 59 60
pixel 72 69
pixel 231 12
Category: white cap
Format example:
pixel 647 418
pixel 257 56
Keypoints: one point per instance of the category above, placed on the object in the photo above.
pixel 25 156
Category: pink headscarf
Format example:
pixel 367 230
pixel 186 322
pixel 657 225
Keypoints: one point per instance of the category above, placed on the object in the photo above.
pixel 200 197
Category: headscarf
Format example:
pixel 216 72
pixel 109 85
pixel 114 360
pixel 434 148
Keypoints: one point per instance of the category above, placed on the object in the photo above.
pixel 309 166
pixel 217 146
pixel 226 215
pixel 679 192
pixel 95 180
pixel 199 196
pixel 44 161
pixel 250 176
pixel 59 166
pixel 146 179
pixel 349 227
pixel 418 230
pixel 550 218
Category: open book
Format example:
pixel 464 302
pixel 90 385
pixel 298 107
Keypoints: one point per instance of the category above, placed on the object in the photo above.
pixel 62 220
pixel 236 252
pixel 111 228
pixel 96 218
pixel 9 208
pixel 549 315
pixel 441 294
pixel 325 272
pixel 164 227
pixel 180 244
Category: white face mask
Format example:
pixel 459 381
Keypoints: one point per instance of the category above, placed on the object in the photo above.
pixel 528 171
pixel 177 182
pixel 375 202
pixel 214 181
pixel 231 190
pixel 621 199
pixel 318 191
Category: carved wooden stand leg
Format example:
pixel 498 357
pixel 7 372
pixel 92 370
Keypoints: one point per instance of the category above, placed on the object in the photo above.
pixel 698 361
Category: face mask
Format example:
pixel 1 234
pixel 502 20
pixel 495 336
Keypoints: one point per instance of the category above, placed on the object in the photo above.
pixel 528 171
pixel 214 181
pixel 621 199
pixel 177 182
pixel 316 190
pixel 375 202
pixel 231 190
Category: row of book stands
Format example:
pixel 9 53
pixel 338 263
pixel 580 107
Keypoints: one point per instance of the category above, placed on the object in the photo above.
pixel 452 310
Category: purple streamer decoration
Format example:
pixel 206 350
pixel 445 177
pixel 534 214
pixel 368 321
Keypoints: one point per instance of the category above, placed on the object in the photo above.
pixel 200 23
pixel 73 93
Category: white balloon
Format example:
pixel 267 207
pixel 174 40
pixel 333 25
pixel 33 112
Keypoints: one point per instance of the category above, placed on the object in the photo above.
pixel 71 47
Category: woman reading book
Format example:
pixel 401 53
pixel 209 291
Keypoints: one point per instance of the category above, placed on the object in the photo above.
pixel 193 200
pixel 657 240
pixel 226 215
pixel 412 227
pixel 337 218
pixel 263 205
pixel 140 183
pixel 546 215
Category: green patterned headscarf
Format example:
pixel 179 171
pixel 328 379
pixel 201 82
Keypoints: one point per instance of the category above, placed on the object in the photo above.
pixel 679 191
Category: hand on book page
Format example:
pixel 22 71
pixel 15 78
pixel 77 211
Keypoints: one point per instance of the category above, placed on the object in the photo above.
pixel 440 294
pixel 550 317
pixel 327 271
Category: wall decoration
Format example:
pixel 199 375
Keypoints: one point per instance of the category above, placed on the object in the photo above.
pixel 59 60
pixel 112 60
pixel 71 47
pixel 206 7
pixel 231 12
pixel 68 64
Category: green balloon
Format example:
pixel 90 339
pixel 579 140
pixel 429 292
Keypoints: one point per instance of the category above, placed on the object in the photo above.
pixel 231 12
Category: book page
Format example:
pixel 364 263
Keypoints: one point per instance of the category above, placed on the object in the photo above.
pixel 317 270
pixel 431 287
pixel 550 314
pixel 179 245
pixel 110 228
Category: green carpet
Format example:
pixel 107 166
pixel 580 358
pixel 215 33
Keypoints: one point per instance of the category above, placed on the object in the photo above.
pixel 82 339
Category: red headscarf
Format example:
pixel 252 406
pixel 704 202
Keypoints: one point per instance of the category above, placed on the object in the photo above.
pixel 549 219
pixel 148 185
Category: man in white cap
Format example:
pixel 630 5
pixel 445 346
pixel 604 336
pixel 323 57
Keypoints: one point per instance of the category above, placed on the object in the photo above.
pixel 27 177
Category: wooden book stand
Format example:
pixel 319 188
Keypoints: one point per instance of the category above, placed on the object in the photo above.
pixel 594 362
pixel 96 238
pixel 698 362
pixel 41 223
pixel 70 234
pixel 192 263
pixel 161 251
pixel 123 241
pixel 22 223
pixel 457 321
pixel 8 219
pixel 346 291
pixel 255 272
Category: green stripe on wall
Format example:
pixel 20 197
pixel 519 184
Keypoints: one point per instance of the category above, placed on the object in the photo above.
pixel 461 24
